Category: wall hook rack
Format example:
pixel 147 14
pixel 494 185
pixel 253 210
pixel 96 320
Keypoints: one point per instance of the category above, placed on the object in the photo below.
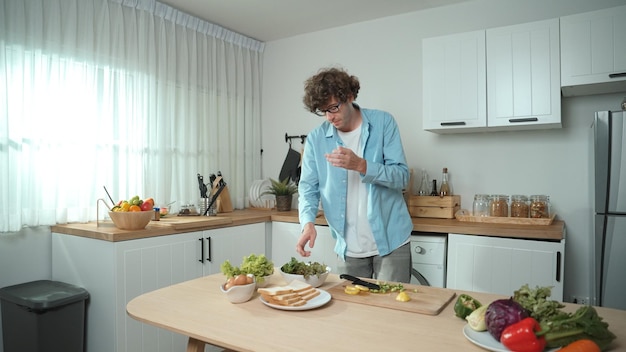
pixel 288 138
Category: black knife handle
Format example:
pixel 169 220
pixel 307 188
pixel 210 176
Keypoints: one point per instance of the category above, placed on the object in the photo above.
pixel 355 280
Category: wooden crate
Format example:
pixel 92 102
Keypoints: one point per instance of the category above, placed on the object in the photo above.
pixel 434 207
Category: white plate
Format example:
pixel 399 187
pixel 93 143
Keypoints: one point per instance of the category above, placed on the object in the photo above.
pixel 485 340
pixel 321 299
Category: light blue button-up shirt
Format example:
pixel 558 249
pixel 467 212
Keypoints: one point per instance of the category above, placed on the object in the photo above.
pixel 386 176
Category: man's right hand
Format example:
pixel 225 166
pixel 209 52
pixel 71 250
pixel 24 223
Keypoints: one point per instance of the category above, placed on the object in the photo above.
pixel 309 234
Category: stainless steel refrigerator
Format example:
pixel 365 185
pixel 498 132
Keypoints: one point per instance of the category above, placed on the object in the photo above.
pixel 609 197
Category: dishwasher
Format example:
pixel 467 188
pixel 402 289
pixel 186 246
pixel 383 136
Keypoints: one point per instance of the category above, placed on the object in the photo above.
pixel 428 259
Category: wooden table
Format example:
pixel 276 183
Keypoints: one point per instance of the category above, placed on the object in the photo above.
pixel 199 310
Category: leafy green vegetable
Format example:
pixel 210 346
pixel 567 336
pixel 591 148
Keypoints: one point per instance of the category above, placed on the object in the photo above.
pixel 585 323
pixel 257 265
pixel 301 268
pixel 563 328
pixel 536 302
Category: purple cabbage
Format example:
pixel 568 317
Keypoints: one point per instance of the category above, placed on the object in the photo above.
pixel 502 313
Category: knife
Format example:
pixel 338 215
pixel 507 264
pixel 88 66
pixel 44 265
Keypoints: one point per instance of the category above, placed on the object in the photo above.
pixel 355 280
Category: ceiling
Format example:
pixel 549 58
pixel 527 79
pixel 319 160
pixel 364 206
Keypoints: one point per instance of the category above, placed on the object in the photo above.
pixel 267 20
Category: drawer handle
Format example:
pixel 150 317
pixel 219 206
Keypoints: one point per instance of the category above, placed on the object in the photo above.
pixel 208 239
pixel 527 119
pixel 201 260
pixel 456 123
pixel 617 75
pixel 558 266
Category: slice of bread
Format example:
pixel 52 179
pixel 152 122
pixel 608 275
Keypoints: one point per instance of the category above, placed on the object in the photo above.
pixel 295 294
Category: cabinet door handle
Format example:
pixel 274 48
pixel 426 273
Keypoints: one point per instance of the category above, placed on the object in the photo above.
pixel 558 266
pixel 617 75
pixel 201 260
pixel 456 123
pixel 208 239
pixel 527 119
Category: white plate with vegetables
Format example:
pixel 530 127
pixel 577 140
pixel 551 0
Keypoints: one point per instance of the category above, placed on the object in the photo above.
pixel 485 340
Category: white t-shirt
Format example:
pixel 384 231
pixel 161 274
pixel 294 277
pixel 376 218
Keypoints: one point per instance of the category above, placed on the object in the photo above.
pixel 359 237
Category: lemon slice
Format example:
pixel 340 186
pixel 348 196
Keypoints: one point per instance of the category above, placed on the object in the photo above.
pixel 362 288
pixel 403 297
pixel 352 290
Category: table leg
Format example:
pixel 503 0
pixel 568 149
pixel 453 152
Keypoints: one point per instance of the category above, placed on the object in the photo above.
pixel 195 345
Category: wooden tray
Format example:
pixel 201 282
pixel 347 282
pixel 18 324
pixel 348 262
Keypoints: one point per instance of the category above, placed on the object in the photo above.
pixel 424 299
pixel 506 220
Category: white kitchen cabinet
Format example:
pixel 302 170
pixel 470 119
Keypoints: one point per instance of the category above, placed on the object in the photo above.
pixel 593 52
pixel 285 235
pixel 502 265
pixel 116 272
pixel 523 76
pixel 502 78
pixel 454 82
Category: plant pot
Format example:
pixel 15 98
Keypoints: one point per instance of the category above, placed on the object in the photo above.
pixel 283 203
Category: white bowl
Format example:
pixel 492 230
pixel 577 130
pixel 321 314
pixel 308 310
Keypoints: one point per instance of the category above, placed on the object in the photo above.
pixel 312 280
pixel 239 293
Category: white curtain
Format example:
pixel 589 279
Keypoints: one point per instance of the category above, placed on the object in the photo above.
pixel 132 95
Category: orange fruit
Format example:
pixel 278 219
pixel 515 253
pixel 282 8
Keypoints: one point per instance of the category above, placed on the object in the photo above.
pixel 134 208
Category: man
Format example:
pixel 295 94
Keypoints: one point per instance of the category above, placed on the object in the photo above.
pixel 354 163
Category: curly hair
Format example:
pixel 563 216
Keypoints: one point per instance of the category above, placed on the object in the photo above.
pixel 329 83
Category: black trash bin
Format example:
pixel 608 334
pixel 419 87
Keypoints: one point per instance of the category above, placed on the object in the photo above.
pixel 42 316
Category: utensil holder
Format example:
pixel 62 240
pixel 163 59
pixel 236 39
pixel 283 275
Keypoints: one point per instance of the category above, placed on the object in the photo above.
pixel 204 203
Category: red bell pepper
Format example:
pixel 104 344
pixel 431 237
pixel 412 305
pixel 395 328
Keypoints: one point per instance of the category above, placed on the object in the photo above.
pixel 522 337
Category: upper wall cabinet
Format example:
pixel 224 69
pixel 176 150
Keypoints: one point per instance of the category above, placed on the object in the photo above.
pixel 593 52
pixel 523 76
pixel 497 79
pixel 454 78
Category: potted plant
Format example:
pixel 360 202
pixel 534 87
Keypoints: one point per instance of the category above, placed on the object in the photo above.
pixel 283 191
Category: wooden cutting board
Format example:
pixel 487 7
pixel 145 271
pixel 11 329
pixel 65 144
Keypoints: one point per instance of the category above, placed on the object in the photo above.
pixel 424 299
pixel 191 222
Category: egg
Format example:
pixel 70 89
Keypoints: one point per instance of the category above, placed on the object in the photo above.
pixel 249 279
pixel 240 280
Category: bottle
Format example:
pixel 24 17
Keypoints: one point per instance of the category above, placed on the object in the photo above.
pixel 445 187
pixel 424 186
pixel 434 192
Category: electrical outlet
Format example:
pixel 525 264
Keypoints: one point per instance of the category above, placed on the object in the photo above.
pixel 580 300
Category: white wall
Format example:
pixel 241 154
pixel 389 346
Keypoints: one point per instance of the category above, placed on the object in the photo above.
pixel 386 56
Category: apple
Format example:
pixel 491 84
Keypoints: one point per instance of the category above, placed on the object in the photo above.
pixel 146 206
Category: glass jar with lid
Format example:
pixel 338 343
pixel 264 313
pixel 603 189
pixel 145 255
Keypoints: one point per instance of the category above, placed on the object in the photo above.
pixel 481 205
pixel 519 206
pixel 499 205
pixel 539 206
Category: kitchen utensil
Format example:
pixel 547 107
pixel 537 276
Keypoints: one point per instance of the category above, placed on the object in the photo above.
pixel 112 201
pixel 355 280
pixel 217 193
pixel 202 186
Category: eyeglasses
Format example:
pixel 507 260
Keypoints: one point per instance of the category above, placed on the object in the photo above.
pixel 332 109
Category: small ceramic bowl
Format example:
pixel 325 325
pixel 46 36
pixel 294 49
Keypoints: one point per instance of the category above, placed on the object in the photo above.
pixel 239 293
pixel 312 280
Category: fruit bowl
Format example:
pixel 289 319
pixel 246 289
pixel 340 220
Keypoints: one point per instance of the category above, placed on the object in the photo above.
pixel 131 220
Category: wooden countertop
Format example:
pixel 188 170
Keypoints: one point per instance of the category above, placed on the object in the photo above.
pixel 106 231
pixel 198 309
